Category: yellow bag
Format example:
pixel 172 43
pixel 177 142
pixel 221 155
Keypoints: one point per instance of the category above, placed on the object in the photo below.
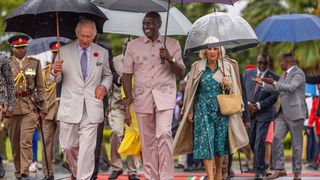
pixel 131 144
pixel 229 104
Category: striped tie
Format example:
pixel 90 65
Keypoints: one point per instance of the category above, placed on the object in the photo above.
pixel 84 63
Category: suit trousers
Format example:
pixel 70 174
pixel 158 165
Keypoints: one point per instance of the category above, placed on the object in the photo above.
pixel 78 143
pixel 157 144
pixel 257 137
pixel 282 126
pixel 117 127
pixel 97 151
pixel 21 129
pixel 49 130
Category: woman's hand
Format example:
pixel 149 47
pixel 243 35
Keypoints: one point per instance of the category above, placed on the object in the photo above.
pixel 190 115
pixel 226 82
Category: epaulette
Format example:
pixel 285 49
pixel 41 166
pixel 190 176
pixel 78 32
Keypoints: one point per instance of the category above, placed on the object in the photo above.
pixel 32 58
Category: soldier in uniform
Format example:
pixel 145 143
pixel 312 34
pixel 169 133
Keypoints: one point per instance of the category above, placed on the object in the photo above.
pixel 7 98
pixel 50 125
pixel 30 96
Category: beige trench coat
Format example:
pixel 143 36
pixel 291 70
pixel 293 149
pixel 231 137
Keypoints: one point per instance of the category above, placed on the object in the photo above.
pixel 183 142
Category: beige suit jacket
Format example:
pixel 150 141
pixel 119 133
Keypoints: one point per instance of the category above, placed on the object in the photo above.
pixel 75 91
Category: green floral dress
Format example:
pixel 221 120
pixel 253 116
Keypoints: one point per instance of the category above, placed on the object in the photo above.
pixel 210 127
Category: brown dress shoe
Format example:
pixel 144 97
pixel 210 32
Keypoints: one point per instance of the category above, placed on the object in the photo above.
pixel 278 173
pixel 297 176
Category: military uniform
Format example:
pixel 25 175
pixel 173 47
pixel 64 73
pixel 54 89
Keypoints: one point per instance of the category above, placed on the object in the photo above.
pixel 30 90
pixel 50 124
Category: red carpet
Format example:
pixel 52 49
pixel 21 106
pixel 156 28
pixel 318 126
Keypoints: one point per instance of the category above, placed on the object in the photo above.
pixel 185 176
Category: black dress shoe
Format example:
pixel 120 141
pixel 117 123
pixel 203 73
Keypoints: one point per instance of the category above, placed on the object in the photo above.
pixel 115 174
pixel 189 168
pixel 258 177
pixel 2 171
pixel 133 177
pixel 47 178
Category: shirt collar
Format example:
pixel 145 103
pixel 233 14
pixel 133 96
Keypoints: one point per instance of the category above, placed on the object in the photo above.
pixel 288 70
pixel 262 73
pixel 159 39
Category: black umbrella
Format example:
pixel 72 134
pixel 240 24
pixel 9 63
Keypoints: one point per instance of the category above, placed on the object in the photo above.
pixel 44 18
pixel 142 6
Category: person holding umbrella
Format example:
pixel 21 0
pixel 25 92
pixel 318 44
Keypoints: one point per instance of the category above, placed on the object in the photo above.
pixel 154 94
pixel 86 77
pixel 30 98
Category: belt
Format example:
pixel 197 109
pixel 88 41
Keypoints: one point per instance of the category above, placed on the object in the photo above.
pixel 23 94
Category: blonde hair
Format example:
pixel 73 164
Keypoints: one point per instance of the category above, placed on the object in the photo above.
pixel 222 53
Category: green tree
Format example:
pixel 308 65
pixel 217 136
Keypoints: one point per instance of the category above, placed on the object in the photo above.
pixel 307 53
pixel 6 7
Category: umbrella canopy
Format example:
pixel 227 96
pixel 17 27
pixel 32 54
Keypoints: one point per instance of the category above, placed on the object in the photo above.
pixel 37 46
pixel 133 5
pixel 289 28
pixel 233 32
pixel 38 18
pixel 209 1
pixel 130 23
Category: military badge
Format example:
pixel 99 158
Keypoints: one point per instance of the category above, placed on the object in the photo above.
pixel 31 72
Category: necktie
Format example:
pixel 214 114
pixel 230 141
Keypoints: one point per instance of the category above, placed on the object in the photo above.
pixel 285 75
pixel 84 63
pixel 256 87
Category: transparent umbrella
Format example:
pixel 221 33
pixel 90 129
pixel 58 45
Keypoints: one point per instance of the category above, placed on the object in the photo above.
pixel 130 23
pixel 233 32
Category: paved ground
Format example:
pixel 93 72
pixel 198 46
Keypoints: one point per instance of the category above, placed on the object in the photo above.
pixel 61 173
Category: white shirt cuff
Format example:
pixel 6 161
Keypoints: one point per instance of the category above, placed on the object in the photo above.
pixel 258 105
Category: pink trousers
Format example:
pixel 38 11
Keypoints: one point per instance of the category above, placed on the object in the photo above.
pixel 156 140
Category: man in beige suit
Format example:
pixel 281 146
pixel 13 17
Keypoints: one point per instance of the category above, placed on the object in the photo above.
pixel 84 68
pixel 154 94
pixel 117 124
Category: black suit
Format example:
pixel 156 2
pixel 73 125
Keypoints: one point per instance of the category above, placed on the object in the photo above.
pixel 260 121
pixel 314 80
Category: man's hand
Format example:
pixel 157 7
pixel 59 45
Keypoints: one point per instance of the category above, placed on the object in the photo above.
pixel 268 80
pixel 42 116
pixel 257 80
pixel 252 109
pixel 8 114
pixel 247 125
pixel 127 117
pixel 57 66
pixel 164 54
pixel 100 92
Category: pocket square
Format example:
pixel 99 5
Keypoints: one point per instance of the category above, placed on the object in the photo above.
pixel 99 63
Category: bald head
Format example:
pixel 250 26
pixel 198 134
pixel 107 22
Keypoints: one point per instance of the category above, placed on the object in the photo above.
pixel 287 61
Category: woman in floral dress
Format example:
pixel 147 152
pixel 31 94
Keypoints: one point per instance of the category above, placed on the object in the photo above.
pixel 210 136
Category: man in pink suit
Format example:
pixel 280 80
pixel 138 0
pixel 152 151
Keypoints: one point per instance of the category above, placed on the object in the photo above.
pixel 154 94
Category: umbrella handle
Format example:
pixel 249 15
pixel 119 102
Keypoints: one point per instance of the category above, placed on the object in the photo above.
pixel 58 33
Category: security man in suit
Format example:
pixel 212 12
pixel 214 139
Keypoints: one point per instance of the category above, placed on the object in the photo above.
pixel 30 97
pixel 50 125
